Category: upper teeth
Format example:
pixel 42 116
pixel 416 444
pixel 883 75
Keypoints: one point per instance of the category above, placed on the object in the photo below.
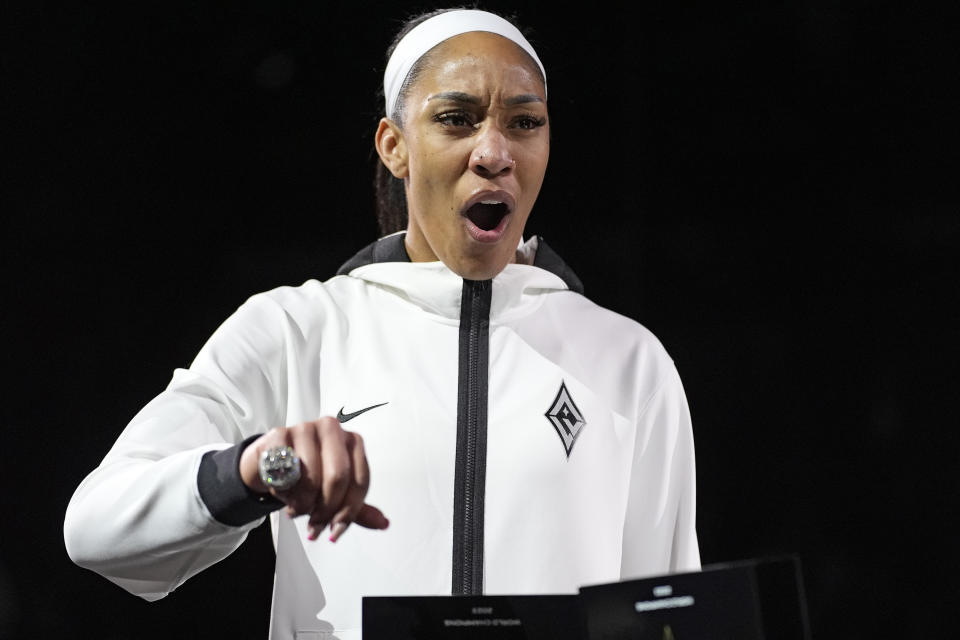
pixel 491 202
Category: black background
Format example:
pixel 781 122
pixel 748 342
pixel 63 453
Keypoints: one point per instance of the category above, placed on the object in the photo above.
pixel 770 187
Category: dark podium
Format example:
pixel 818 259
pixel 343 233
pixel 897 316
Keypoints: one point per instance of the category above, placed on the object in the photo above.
pixel 750 600
pixel 759 599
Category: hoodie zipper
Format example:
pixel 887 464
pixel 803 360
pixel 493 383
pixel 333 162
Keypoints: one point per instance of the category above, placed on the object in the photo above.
pixel 471 462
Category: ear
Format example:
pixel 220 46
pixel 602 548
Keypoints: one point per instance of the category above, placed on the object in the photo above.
pixel 391 147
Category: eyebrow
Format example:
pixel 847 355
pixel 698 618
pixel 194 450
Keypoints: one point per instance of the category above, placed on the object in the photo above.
pixel 460 96
pixel 455 96
pixel 522 99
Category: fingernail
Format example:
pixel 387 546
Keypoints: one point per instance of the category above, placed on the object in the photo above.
pixel 316 529
pixel 337 530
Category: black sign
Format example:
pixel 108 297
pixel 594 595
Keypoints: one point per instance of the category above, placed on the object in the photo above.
pixel 466 617
pixel 750 600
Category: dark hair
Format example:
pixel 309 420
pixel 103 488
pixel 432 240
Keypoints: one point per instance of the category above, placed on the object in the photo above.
pixel 390 194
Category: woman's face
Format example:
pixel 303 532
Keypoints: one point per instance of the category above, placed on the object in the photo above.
pixel 477 140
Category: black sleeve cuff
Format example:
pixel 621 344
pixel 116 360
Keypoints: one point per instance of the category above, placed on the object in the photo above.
pixel 222 489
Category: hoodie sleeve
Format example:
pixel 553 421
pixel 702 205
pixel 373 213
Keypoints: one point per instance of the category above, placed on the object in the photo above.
pixel 140 518
pixel 660 527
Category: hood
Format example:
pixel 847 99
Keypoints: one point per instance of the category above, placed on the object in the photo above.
pixel 517 290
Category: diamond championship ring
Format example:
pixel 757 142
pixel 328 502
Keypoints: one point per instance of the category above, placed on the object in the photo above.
pixel 279 468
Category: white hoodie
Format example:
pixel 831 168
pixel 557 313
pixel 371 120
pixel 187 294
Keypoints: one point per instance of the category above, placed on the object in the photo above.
pixel 575 452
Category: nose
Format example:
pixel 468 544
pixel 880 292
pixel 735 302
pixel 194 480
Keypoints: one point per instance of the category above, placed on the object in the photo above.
pixel 491 155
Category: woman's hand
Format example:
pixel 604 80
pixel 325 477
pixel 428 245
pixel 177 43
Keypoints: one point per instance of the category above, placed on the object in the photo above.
pixel 334 476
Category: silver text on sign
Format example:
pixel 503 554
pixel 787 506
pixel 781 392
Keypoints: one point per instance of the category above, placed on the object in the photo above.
pixel 666 603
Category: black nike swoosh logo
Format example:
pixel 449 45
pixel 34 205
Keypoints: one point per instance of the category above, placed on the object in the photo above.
pixel 343 417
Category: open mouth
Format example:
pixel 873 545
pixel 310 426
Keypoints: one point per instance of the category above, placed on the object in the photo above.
pixel 487 214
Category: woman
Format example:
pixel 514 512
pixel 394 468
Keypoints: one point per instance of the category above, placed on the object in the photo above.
pixel 522 439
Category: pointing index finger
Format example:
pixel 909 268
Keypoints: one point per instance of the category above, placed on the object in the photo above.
pixel 359 483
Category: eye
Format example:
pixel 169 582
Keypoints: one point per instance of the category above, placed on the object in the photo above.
pixel 454 119
pixel 528 122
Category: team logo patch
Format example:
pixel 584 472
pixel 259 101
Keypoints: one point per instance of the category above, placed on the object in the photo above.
pixel 566 418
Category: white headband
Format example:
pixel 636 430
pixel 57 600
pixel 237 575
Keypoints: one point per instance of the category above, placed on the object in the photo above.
pixel 431 32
